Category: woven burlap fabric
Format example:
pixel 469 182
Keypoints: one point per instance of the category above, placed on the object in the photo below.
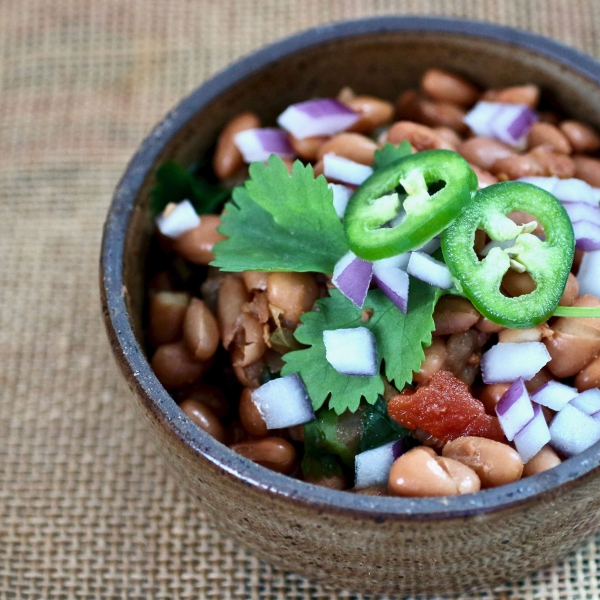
pixel 87 508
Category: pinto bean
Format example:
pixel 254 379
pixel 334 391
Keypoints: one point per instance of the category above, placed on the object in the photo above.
pixel 374 112
pixel 353 146
pixel 175 366
pixel 518 284
pixel 589 377
pixel 274 453
pixel 435 359
pixel 542 377
pixel 516 166
pixel 490 396
pixel 518 94
pixel 232 297
pixel 293 293
pixel 545 134
pixel 408 106
pixel 419 136
pixel 518 336
pixel 228 159
pixel 454 314
pixel 545 459
pixel 588 169
pixel 449 135
pixel 494 462
pixel 210 395
pixel 203 416
pixel 554 164
pixel 249 344
pixel 484 178
pixel 449 87
pixel 484 151
pixel 307 148
pixel 250 416
pixel 200 330
pixel 196 245
pixel 487 326
pixel 255 280
pixel 462 352
pixel 252 375
pixel 571 291
pixel 581 137
pixel 443 114
pixel 166 313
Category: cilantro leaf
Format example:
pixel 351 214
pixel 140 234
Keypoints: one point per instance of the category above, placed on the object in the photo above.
pixel 279 222
pixel 391 153
pixel 379 428
pixel 400 341
pixel 174 184
pixel 319 466
pixel 322 436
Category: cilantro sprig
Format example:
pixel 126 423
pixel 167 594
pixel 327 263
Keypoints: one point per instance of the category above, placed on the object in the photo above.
pixel 390 153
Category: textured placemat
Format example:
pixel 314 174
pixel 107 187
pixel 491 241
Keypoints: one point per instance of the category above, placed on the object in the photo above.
pixel 87 509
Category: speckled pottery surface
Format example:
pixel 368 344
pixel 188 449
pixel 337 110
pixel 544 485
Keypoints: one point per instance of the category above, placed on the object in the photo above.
pixel 369 544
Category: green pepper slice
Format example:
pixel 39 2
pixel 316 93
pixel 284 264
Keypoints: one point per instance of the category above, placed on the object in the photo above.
pixel 380 224
pixel 548 262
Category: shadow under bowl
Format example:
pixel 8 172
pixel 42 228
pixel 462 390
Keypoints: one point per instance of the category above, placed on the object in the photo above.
pixel 370 544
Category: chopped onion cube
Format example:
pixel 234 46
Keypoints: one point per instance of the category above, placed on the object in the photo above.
pixel 534 436
pixel 393 282
pixel 351 351
pixel 546 183
pixel 580 211
pixel 431 246
pixel 509 123
pixel 283 402
pixel 174 222
pixel 481 117
pixel 341 197
pixel 429 270
pixel 326 116
pixel 514 409
pixel 554 395
pixel 352 276
pixel 574 190
pixel 345 170
pixel 373 466
pixel 589 282
pixel 259 144
pixel 507 362
pixel 400 261
pixel 587 402
pixel 587 236
pixel 572 431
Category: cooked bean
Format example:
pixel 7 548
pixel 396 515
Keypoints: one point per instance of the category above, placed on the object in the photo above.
pixel 581 137
pixel 518 336
pixel 494 462
pixel 346 94
pixel 374 490
pixel 587 327
pixel 259 307
pixel 249 344
pixel 196 245
pixel 374 112
pixel 228 159
pixel 175 366
pixel 449 135
pixel 542 377
pixel 545 459
pixel 435 359
pixel 255 280
pixel 484 178
pixel 549 116
pixel 332 482
pixel 490 396
pixel 166 314
pixel 449 87
pixel 462 351
pixel 487 326
pixel 274 453
pixel 200 330
pixel 418 474
pixel 210 395
pixel 518 94
pixel 545 134
pixel 570 353
pixel 516 166
pixel 353 146
pixel 408 106
pixel 443 114
pixel 318 168
pixel 204 417
pixel 419 136
pixel 484 151
pixel 293 293
pixel 232 297
pixel 518 284
pixel 429 442
pixel 554 164
pixel 296 433
pixel 454 314
pixel 589 377
pixel 252 375
pixel 236 433
pixel 307 148
pixel 571 291
pixel 250 416
pixel 588 169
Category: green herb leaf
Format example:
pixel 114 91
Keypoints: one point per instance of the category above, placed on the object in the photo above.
pixel 400 341
pixel 390 153
pixel 379 428
pixel 279 222
pixel 174 184
pixel 321 436
pixel 323 465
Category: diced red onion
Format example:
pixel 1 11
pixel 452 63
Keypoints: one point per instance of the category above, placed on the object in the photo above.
pixel 326 116
pixel 572 431
pixel 587 236
pixel 283 402
pixel 587 276
pixel 345 170
pixel 341 197
pixel 574 190
pixel 351 351
pixel 534 436
pixel 373 466
pixel 596 192
pixel 546 183
pixel 352 276
pixel 393 282
pixel 400 261
pixel 431 246
pixel 580 211
pixel 554 395
pixel 587 402
pixel 514 409
pixel 175 221
pixel 509 123
pixel 259 144
pixel 507 362
pixel 429 270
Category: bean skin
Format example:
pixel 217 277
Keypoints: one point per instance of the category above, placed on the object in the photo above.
pixel 545 134
pixel 589 377
pixel 274 453
pixel 232 297
pixel 435 359
pixel 166 313
pixel 175 366
pixel 249 346
pixel 200 330
pixel 227 158
pixel 202 416
pixel 196 245
pixel 545 459
pixel 484 151
pixel 374 112
pixel 250 416
pixel 449 87
pixel 353 146
pixel 581 137
pixel 454 314
pixel 293 293
pixel 490 396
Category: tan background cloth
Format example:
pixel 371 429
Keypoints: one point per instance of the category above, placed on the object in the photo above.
pixel 87 508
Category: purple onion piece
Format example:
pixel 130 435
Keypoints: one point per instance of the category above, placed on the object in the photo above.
pixel 180 219
pixel 326 116
pixel 373 466
pixel 351 351
pixel 393 282
pixel 587 236
pixel 352 276
pixel 480 117
pixel 575 190
pixel 580 211
pixel 514 409
pixel 429 270
pixel 345 170
pixel 587 276
pixel 587 402
pixel 554 395
pixel 507 362
pixel 572 431
pixel 259 144
pixel 534 436
pixel 341 197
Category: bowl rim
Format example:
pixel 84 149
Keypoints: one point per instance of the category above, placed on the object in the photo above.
pixel 162 407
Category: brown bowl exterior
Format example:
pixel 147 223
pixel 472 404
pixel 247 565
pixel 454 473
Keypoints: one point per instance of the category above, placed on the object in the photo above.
pixel 369 544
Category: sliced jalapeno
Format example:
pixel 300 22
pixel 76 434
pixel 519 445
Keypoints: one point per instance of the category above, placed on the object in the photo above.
pixel 548 261
pixel 435 186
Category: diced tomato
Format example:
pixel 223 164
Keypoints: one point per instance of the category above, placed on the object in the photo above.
pixel 445 409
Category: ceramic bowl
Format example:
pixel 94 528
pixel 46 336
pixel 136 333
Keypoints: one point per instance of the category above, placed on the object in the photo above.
pixel 369 544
